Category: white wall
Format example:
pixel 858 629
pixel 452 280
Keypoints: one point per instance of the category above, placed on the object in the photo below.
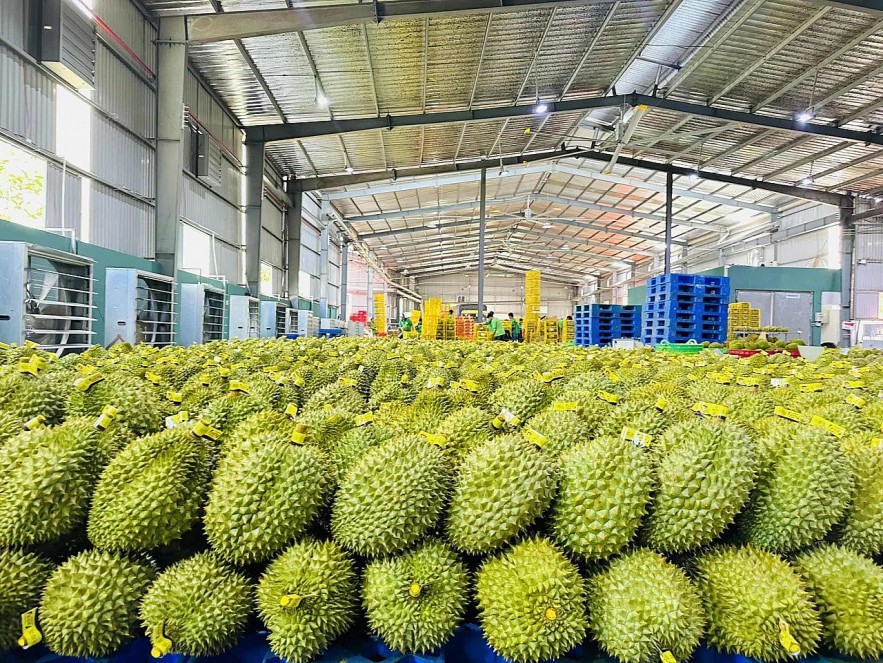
pixel 503 292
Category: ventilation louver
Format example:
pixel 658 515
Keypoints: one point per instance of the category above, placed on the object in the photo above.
pixel 274 316
pixel 202 314
pixel 245 317
pixel 139 307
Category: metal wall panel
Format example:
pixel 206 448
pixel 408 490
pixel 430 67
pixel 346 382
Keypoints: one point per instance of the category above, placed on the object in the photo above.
pixel 271 249
pixel 129 24
pixel 27 107
pixel 207 209
pixel 65 187
pixel 309 261
pixel 309 238
pixel 868 272
pixel 121 223
pixel 122 93
pixel 228 261
pixel 12 22
pixel 271 217
pixel 121 159
pixel 805 214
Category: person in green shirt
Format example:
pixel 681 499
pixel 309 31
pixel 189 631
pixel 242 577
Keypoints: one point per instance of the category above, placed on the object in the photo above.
pixel 405 324
pixel 495 327
pixel 516 327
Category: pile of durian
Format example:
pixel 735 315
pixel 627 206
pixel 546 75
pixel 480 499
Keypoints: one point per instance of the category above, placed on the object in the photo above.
pixel 646 501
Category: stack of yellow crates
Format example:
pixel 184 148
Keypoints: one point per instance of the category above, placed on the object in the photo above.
pixel 431 318
pixel 567 331
pixel 532 331
pixel 740 315
pixel 380 314
pixel 549 330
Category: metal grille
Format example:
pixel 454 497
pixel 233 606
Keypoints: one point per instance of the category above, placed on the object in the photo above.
pixel 213 316
pixel 155 311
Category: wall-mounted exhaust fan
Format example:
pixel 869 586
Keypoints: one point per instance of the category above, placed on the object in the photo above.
pixel 274 316
pixel 245 317
pixel 202 314
pixel 139 307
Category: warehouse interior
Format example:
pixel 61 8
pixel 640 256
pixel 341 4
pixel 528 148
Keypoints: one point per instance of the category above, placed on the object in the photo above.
pixel 666 205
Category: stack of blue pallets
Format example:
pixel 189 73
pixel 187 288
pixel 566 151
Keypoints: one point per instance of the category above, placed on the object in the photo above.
pixel 600 324
pixel 684 307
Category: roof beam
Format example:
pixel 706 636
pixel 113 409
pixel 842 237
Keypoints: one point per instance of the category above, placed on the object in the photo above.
pixel 873 7
pixel 262 22
pixel 266 133
pixel 811 158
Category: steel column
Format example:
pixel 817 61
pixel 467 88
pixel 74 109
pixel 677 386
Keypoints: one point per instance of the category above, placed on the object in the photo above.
pixel 344 277
pixel 292 246
pixel 669 200
pixel 254 197
pixel 482 222
pixel 324 239
pixel 369 289
pixel 171 70
pixel 847 249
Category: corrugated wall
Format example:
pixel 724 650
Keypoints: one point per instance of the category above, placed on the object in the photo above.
pixel 63 190
pixel 868 274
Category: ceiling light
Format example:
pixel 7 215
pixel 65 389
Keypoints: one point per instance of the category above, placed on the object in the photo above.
pixel 807 181
pixel 504 172
pixel 321 100
pixel 432 224
pixel 693 176
pixel 878 200
pixel 539 109
pixel 349 170
pixel 806 116
pixel 546 226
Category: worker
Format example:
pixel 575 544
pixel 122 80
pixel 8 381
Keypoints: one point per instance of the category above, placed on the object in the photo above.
pixel 516 327
pixel 495 327
pixel 450 313
pixel 405 324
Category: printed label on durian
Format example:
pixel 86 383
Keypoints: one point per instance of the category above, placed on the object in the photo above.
pixel 405 379
pixel 811 387
pixel 241 387
pixel 30 634
pixel 36 422
pixel 85 369
pixel 87 382
pixel 270 369
pixel 175 396
pixel 721 378
pixel 348 382
pixel 365 419
pixel 534 436
pixel 160 644
pixel 204 429
pixel 787 640
pixel 298 380
pixel 613 399
pixel 661 404
pixel 291 410
pixel 748 381
pixel 433 438
pixel 470 385
pixel 710 409
pixel 455 385
pixel 854 384
pixel 177 419
pixel 28 367
pixel 510 418
pixel 613 377
pixel 636 437
pixel 435 383
pixel 565 406
pixel 105 419
pixel 778 383
pixel 152 377
pixel 667 657
pixel 299 434
pixel 856 401
pixel 820 422
pixel 785 413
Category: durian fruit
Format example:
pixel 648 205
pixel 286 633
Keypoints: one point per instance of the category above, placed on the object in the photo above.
pixel 200 604
pixel 264 494
pixel 862 528
pixel 355 442
pixel 307 598
pixel 151 492
pixel 756 604
pixel 848 590
pixel 502 487
pixel 516 402
pixel 603 492
pixel 463 429
pixel 415 601
pixel 265 421
pixel 46 480
pixel 642 605
pixel 90 603
pixel 27 396
pixel 324 427
pixel 746 406
pixel 643 417
pixel 531 602
pixel 705 471
pixel 139 409
pixel 803 488
pixel 228 411
pixel 588 406
pixel 338 396
pixel 22 576
pixel 561 430
pixel 10 426
pixel 390 497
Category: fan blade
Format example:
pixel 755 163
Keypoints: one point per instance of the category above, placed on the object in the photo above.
pixel 50 280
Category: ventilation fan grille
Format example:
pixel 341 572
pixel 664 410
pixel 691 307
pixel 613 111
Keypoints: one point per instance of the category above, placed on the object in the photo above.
pixel 281 315
pixel 213 316
pixel 58 303
pixel 155 311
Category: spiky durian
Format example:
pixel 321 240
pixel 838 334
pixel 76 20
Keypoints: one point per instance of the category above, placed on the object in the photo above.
pixel 338 396
pixel 355 442
pixel 307 598
pixel 46 480
pixel 531 602
pixel 704 473
pixel 848 590
pixel 587 405
pixel 138 407
pixel 199 604
pixel 230 410
pixel 516 402
pixel 603 492
pixel 861 529
pixel 90 603
pixel 752 598
pixel 22 576
pixel 502 487
pixel 390 497
pixel 463 429
pixel 416 600
pixel 26 396
pixel 642 605
pixel 10 426
pixel 643 417
pixel 151 492
pixel 265 492
pixel 787 510
pixel 561 430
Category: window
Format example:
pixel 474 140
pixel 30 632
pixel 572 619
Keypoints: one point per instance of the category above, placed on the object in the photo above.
pixel 22 187
pixel 73 128
pixel 196 250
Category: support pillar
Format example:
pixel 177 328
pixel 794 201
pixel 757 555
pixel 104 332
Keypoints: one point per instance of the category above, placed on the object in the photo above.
pixel 254 199
pixel 324 239
pixel 370 290
pixel 669 200
pixel 482 222
pixel 171 71
pixel 847 258
pixel 293 222
pixel 344 277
